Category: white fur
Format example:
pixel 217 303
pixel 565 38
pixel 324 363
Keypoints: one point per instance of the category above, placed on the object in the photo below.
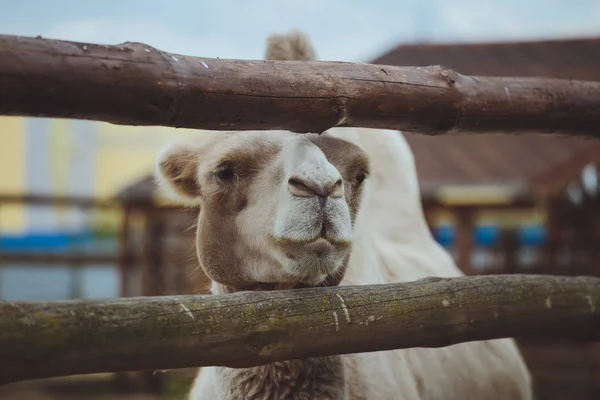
pixel 390 243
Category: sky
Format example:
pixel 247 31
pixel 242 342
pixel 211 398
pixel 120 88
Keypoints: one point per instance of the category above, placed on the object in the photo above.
pixel 341 30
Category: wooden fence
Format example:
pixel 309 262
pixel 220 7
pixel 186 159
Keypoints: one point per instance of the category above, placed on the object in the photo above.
pixel 139 85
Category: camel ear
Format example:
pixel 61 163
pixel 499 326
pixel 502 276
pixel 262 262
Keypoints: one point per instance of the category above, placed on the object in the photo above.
pixel 176 172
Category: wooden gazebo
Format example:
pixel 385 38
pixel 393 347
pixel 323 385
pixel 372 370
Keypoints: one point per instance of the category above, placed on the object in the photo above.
pixel 157 255
pixel 165 246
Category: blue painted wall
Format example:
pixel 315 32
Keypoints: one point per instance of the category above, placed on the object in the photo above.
pixel 28 282
pixel 489 235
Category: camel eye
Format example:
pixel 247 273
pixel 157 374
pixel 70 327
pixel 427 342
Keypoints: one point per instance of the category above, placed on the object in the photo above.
pixel 360 177
pixel 225 173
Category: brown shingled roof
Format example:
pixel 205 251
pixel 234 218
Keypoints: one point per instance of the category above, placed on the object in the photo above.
pixel 485 159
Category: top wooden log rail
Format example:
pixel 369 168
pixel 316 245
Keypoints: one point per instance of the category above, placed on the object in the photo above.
pixel 58 338
pixel 135 84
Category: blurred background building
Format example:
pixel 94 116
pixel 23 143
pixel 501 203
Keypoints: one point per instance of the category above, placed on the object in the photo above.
pixel 79 212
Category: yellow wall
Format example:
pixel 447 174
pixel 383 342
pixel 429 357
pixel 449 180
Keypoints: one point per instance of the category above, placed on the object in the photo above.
pixel 128 153
pixel 12 170
pixel 123 155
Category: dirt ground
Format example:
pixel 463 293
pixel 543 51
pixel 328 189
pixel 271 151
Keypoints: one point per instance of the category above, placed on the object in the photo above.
pixel 41 394
pixel 93 387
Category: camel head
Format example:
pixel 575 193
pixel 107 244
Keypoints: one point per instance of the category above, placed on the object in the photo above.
pixel 277 209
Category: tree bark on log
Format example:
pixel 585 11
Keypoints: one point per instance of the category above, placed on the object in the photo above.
pixel 58 338
pixel 135 84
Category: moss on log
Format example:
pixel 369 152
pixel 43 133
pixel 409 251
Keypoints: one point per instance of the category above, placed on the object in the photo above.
pixel 135 84
pixel 58 338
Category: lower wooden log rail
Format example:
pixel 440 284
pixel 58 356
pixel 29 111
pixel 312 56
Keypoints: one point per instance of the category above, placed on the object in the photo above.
pixel 59 338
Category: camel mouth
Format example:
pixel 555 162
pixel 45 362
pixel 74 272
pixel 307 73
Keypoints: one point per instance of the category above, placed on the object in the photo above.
pixel 310 264
pixel 274 286
pixel 319 243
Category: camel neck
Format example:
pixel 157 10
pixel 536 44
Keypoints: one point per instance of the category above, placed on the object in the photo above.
pixel 310 378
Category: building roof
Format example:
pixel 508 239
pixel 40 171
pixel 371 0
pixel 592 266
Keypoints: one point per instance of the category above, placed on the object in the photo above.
pixel 533 162
pixel 577 58
pixel 138 192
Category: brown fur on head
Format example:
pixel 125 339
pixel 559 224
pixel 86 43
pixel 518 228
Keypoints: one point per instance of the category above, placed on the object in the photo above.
pixel 275 207
pixel 292 46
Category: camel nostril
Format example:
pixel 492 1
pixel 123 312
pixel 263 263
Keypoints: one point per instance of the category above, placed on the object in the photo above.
pixel 297 183
pixel 308 187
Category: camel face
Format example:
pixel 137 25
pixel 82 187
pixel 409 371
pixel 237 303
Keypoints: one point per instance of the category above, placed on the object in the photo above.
pixel 275 207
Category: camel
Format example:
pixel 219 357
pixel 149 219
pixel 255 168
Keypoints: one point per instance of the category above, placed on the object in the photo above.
pixel 280 210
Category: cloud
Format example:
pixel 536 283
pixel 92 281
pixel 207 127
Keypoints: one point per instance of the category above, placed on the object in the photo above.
pixel 239 31
pixel 344 30
pixel 115 31
pixel 515 19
